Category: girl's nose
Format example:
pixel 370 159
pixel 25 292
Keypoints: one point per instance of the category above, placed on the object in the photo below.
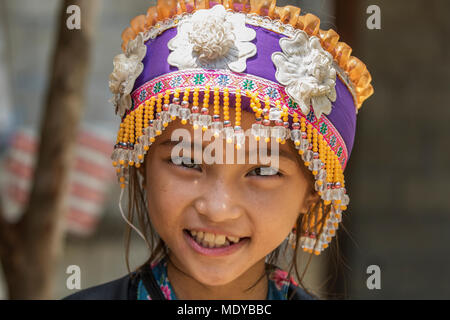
pixel 219 203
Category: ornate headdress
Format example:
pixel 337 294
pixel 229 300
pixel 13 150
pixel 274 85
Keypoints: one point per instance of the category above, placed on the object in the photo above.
pixel 299 81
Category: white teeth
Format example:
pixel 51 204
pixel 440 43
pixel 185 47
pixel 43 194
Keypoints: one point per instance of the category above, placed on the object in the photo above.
pixel 210 240
pixel 209 237
pixel 219 240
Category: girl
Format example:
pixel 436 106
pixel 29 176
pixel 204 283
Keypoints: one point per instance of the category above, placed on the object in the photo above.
pixel 197 78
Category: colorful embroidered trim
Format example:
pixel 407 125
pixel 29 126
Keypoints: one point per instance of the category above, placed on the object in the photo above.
pixel 199 78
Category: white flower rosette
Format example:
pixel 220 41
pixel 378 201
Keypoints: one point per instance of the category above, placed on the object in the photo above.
pixel 127 68
pixel 306 70
pixel 212 39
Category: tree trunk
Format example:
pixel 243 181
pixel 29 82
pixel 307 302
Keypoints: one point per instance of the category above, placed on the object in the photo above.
pixel 29 249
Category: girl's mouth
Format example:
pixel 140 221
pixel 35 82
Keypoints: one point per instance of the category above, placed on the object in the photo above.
pixel 213 245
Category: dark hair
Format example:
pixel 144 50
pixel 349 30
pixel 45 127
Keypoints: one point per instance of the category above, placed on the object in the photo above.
pixel 158 249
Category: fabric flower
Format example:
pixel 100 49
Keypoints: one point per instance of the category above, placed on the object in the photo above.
pixel 212 39
pixel 166 291
pixel 127 67
pixel 279 277
pixel 306 70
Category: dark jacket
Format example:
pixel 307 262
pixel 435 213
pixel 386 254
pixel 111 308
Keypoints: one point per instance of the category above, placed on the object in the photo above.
pixel 125 288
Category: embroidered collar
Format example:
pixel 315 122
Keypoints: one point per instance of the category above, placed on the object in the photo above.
pixel 277 287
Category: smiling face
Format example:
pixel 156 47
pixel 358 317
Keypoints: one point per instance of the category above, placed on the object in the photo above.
pixel 235 200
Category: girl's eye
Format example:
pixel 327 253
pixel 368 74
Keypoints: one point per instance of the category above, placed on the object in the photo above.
pixel 187 163
pixel 265 172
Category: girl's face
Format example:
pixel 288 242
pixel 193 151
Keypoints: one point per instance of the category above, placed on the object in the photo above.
pixel 234 200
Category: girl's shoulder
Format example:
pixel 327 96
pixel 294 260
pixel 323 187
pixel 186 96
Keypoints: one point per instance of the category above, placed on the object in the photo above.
pixel 124 288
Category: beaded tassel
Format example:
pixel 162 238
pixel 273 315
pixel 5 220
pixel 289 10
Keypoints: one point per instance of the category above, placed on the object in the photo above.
pixel 145 138
pixel 265 130
pixel 131 138
pixel 321 175
pixel 296 134
pixel 174 107
pixel 139 157
pixel 158 124
pixel 239 136
pixel 257 127
pixel 205 118
pixel 228 129
pixel 164 114
pixel 195 110
pixel 217 125
pixel 307 156
pixel 184 111
pixel 316 163
pixel 151 131
pixel 285 125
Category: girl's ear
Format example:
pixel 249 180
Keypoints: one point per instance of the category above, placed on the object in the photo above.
pixel 311 198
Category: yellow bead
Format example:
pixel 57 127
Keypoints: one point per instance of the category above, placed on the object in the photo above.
pixel 131 163
pixel 114 163
pixel 184 121
pixel 122 186
pixel 137 165
pixel 122 179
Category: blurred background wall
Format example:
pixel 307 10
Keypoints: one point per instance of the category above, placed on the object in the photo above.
pixel 397 175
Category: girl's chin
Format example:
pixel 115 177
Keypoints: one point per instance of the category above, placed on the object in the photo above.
pixel 216 277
